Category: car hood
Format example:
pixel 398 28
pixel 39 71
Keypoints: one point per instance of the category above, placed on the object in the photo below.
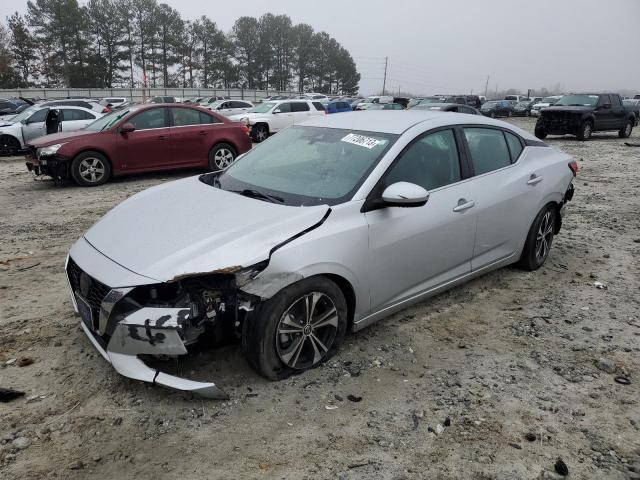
pixel 187 227
pixel 563 108
pixel 61 137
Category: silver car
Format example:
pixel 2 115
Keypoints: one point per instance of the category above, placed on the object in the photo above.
pixel 328 226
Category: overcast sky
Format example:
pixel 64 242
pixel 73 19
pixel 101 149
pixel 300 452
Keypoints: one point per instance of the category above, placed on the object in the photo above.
pixel 451 46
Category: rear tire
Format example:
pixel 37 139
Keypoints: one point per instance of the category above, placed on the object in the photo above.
pixel 221 156
pixel 625 132
pixel 90 169
pixel 280 339
pixel 585 131
pixel 539 239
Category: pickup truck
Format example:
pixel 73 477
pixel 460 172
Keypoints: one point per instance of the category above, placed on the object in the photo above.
pixel 583 114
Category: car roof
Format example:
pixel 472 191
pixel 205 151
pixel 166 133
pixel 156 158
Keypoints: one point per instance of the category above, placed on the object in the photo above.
pixel 398 121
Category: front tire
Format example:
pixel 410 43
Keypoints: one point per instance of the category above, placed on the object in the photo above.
pixel 221 156
pixel 625 132
pixel 9 145
pixel 260 132
pixel 539 239
pixel 90 169
pixel 299 328
pixel 540 132
pixel 585 131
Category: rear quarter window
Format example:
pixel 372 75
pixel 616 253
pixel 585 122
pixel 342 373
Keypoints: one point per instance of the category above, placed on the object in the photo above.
pixel 515 146
pixel 318 106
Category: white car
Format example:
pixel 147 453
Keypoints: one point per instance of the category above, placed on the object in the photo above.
pixel 207 101
pixel 89 104
pixel 379 99
pixel 115 101
pixel 230 107
pixel 271 117
pixel 317 97
pixel 37 121
pixel 546 102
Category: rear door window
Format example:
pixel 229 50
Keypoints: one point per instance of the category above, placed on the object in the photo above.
pixel 488 149
pixel 515 146
pixel 183 117
pixel 148 119
pixel 300 107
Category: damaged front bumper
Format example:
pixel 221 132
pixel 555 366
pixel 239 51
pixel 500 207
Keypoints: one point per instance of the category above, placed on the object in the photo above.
pixel 55 166
pixel 144 331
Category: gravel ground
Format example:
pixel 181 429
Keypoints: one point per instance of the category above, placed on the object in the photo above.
pixel 496 379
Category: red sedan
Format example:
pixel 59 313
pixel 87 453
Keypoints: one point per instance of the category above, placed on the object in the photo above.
pixel 141 138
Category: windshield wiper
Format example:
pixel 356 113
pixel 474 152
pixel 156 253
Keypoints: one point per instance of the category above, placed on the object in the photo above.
pixel 248 192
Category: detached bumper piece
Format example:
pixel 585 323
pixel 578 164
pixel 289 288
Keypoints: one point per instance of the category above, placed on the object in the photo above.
pixel 146 331
pixel 53 165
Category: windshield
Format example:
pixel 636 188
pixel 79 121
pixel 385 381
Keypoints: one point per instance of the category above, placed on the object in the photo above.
pixel 522 104
pixel 578 101
pixel 430 100
pixel 26 113
pixel 306 165
pixel 490 104
pixel 108 120
pixel 263 107
pixel 549 100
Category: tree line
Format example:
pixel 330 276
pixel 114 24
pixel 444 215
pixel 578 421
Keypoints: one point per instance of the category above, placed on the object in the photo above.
pixel 137 43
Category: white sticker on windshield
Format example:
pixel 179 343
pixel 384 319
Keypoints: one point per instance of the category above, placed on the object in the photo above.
pixel 363 141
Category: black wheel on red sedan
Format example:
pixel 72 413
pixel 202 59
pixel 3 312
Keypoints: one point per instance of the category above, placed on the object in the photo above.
pixel 298 329
pixel 90 169
pixel 221 156
pixel 539 239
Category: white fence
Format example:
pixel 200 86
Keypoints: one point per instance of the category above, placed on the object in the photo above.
pixel 140 94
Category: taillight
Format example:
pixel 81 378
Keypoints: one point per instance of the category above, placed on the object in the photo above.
pixel 573 165
pixel 245 129
pixel 106 110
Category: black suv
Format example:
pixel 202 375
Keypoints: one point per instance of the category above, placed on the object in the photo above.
pixel 585 113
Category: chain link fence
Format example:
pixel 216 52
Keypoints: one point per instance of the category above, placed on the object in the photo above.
pixel 141 94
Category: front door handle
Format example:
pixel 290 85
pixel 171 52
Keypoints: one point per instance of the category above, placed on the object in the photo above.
pixel 463 205
pixel 162 137
pixel 202 132
pixel 534 179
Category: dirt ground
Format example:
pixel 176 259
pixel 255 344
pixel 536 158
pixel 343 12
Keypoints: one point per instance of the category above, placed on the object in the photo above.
pixel 496 379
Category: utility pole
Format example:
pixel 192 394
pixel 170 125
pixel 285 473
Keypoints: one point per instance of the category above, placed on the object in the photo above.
pixel 486 86
pixel 384 82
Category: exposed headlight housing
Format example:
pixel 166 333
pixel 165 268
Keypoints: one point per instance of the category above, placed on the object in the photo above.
pixel 50 150
pixel 244 120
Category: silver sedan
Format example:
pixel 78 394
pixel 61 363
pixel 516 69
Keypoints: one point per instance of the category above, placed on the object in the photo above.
pixel 326 227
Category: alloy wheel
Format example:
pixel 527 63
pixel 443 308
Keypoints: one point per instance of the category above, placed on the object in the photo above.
pixel 92 169
pixel 9 146
pixel 223 158
pixel 627 129
pixel 587 130
pixel 261 134
pixel 544 237
pixel 306 331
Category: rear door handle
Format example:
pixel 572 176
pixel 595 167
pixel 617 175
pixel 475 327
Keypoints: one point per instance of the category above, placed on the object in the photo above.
pixel 534 179
pixel 463 205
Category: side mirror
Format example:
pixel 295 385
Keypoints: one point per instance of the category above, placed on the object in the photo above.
pixel 404 194
pixel 127 128
pixel 277 111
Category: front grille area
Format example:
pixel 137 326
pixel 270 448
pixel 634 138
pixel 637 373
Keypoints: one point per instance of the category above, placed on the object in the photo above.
pixel 95 291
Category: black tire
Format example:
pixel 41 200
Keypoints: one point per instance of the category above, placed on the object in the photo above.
pixel 493 115
pixel 625 132
pixel 82 165
pixel 260 132
pixel 585 130
pixel 267 350
pixel 509 114
pixel 540 132
pixel 539 239
pixel 526 113
pixel 221 156
pixel 9 145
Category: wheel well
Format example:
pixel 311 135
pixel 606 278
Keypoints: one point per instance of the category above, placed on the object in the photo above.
pixel 556 209
pixel 349 295
pixel 11 136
